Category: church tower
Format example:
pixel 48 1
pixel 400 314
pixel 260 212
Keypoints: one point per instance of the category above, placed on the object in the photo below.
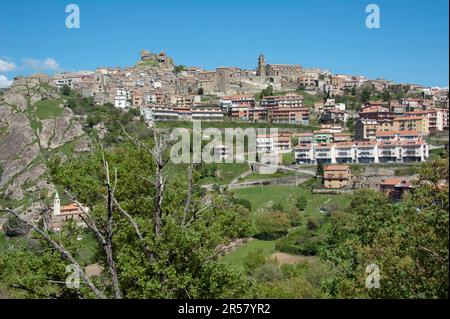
pixel 56 205
pixel 261 66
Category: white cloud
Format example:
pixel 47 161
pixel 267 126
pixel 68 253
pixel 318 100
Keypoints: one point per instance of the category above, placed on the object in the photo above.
pixel 6 66
pixel 4 82
pixel 41 65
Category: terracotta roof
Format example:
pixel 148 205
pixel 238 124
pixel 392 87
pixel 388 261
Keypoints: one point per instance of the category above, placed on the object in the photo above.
pixel 396 182
pixel 368 144
pixel 344 144
pixel 72 206
pixel 386 133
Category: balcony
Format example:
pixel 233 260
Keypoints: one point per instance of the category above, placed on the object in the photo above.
pixel 323 155
pixel 344 154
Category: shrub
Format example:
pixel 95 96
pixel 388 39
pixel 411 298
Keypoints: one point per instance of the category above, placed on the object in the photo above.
pixel 294 217
pixel 301 243
pixel 278 206
pixel 272 225
pixel 243 202
pixel 312 223
pixel 301 203
pixel 254 259
pixel 268 273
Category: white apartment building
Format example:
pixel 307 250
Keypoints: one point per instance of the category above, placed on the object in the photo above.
pixel 265 143
pixel 273 143
pixel 362 152
pixel 392 136
pixel 180 114
pixel 121 99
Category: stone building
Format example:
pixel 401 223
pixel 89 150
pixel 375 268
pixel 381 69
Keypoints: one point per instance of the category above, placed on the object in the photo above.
pixel 336 176
pixel 59 215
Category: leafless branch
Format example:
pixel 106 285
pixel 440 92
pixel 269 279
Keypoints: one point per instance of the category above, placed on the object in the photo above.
pixel 64 252
pixel 109 233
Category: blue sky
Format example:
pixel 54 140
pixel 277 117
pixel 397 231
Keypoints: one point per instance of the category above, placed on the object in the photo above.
pixel 411 46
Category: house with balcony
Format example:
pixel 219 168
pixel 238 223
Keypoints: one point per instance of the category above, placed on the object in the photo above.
pixel 414 151
pixel 304 154
pixel 366 152
pixel 336 176
pixel 345 153
pixel 324 153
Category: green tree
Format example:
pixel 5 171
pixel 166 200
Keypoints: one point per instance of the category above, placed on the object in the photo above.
pixel 408 241
pixel 319 170
pixel 65 90
pixel 153 232
pixel 350 124
pixel 272 225
pixel 301 203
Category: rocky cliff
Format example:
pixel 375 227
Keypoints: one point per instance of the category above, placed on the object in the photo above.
pixel 34 125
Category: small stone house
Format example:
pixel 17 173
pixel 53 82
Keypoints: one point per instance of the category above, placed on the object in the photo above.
pixel 336 176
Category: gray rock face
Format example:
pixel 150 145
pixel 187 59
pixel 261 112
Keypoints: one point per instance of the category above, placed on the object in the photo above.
pixel 25 137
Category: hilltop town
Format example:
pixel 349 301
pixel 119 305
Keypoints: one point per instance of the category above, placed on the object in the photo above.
pixel 356 120
pixel 357 159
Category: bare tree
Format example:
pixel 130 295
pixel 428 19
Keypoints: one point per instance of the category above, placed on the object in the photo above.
pixel 64 252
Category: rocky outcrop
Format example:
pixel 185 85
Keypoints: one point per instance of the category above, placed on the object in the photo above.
pixel 28 137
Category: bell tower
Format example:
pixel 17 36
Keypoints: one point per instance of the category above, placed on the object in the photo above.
pixel 261 66
pixel 56 205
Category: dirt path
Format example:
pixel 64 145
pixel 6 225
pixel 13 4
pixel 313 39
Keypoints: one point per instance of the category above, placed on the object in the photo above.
pixel 284 258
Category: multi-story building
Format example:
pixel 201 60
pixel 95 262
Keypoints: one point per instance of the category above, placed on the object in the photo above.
pixel 258 114
pixel 376 111
pixel 362 152
pixel 181 114
pixel 303 138
pixel 435 118
pixel 411 123
pixel 309 77
pixel 121 99
pixel 289 100
pixel 290 115
pixel 333 116
pixel 392 136
pixel 274 143
pixel 444 118
pixel 345 152
pixel 184 100
pixel 304 154
pixel 366 129
pixel 336 176
pixel 232 101
pixel 137 98
pixel 322 136
pixel 342 137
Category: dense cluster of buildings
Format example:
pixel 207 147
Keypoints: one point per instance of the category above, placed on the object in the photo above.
pixel 384 132
pixel 376 117
pixel 163 91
